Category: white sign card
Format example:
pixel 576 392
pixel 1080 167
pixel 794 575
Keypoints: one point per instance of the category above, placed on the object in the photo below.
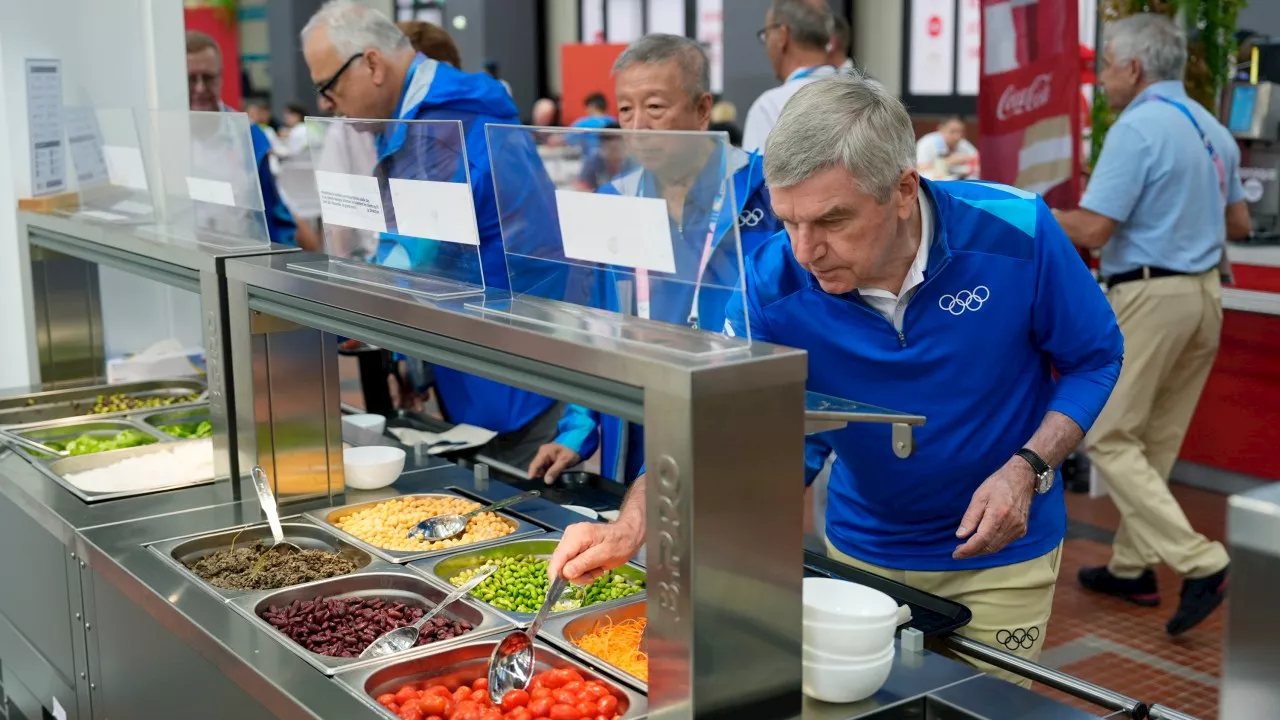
pixel 218 192
pixel 84 140
pixel 632 232
pixel 44 124
pixel 711 35
pixel 933 43
pixel 434 210
pixel 124 166
pixel 352 201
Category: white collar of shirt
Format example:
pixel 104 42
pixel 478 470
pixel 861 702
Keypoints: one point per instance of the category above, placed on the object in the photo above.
pixel 889 304
pixel 815 72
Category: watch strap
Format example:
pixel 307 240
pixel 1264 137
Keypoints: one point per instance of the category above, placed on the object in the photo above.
pixel 1037 463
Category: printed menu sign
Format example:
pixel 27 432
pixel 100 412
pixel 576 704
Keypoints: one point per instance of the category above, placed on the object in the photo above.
pixel 44 123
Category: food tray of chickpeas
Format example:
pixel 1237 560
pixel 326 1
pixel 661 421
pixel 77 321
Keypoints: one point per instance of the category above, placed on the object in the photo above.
pixel 383 527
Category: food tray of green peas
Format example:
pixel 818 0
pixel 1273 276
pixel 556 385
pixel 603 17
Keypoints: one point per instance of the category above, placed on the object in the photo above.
pixel 520 584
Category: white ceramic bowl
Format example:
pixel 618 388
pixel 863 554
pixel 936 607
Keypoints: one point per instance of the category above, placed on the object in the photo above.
pixel 372 422
pixel 372 467
pixel 848 641
pixel 823 657
pixel 846 683
pixel 839 602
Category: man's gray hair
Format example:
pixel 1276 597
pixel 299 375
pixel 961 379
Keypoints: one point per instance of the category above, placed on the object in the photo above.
pixel 655 48
pixel 1151 39
pixel 842 121
pixel 810 22
pixel 354 28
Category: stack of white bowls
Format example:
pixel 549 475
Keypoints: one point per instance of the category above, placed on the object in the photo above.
pixel 848 639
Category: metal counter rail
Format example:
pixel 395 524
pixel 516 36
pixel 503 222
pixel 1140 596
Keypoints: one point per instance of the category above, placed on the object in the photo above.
pixel 1075 687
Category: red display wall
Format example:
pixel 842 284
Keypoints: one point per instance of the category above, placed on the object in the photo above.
pixel 221 25
pixel 585 69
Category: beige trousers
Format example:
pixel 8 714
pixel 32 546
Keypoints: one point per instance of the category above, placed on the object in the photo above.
pixel 1010 605
pixel 1171 332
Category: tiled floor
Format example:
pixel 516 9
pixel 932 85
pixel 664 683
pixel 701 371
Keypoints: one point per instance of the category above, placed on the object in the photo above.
pixel 1123 647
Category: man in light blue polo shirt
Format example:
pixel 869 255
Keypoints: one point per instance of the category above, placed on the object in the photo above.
pixel 1163 197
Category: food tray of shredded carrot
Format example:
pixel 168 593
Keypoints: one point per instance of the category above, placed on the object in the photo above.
pixel 609 637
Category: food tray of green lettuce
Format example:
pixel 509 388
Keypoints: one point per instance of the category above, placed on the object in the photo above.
pixel 74 437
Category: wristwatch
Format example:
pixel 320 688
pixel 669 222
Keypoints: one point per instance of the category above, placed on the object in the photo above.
pixel 1044 472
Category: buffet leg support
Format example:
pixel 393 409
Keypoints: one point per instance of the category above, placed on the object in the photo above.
pixel 1059 681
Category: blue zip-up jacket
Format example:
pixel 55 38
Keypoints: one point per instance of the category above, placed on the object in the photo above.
pixel 280 224
pixel 437 91
pixel 1005 301
pixel 622 443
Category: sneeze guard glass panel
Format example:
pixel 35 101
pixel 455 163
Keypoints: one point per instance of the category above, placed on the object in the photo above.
pixel 401 190
pixel 598 224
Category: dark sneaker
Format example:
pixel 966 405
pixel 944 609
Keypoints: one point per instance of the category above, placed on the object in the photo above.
pixel 1199 599
pixel 1139 591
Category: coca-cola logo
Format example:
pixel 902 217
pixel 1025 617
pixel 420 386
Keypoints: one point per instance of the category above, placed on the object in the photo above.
pixel 1015 101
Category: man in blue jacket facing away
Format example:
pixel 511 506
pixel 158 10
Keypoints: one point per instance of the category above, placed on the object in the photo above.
pixel 954 300
pixel 363 66
pixel 663 83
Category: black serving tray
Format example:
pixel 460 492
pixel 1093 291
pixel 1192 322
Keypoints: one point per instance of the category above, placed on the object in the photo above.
pixel 930 614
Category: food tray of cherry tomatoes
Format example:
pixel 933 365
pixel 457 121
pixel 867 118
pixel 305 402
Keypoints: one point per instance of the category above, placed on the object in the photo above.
pixel 452 685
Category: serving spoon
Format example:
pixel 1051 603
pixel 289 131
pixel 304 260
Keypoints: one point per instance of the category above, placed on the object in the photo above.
pixel 403 638
pixel 443 527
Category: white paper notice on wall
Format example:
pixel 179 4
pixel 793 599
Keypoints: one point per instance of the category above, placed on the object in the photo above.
pixel 218 192
pixel 59 713
pixel 124 166
pixel 631 232
pixel 434 210
pixel 44 125
pixel 352 201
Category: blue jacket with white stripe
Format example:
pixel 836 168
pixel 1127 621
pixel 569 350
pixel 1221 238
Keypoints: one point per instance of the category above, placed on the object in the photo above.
pixel 1005 302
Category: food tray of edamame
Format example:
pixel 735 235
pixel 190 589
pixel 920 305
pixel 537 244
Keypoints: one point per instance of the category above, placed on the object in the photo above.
pixel 96 400
pixel 517 589
pixel 382 527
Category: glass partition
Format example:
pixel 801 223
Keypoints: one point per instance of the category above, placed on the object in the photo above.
pixel 646 228
pixel 208 180
pixel 409 202
pixel 106 154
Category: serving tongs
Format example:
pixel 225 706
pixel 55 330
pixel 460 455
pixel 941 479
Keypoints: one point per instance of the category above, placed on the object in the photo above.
pixel 31 445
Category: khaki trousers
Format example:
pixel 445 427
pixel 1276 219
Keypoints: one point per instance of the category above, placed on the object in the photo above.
pixel 1010 605
pixel 1171 332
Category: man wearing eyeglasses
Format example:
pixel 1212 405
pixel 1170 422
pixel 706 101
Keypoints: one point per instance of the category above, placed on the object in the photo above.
pixel 204 93
pixel 795 36
pixel 364 67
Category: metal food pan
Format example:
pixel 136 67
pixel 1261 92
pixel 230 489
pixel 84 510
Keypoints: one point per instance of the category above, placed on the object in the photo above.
pixel 154 420
pixel 385 582
pixel 562 630
pixel 56 469
pixel 66 430
pixel 469 662
pixel 328 518
pixel 440 569
pixel 59 404
pixel 185 551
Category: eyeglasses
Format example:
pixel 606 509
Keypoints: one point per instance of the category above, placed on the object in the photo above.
pixel 207 78
pixel 322 89
pixel 763 32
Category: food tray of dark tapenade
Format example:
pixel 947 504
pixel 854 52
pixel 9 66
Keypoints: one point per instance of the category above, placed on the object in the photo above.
pixel 930 614
pixel 235 562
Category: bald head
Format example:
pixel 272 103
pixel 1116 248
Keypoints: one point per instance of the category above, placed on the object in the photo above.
pixel 544 112
pixel 358 59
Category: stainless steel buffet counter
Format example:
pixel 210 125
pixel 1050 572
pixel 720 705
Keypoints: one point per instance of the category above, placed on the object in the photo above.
pixel 157 641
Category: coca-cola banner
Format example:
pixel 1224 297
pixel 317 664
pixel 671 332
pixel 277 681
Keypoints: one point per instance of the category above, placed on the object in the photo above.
pixel 1029 97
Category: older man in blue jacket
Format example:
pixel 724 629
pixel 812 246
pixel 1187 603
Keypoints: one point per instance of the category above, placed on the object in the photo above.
pixel 663 84
pixel 364 67
pixel 954 300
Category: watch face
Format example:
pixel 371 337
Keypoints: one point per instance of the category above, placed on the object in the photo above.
pixel 1044 481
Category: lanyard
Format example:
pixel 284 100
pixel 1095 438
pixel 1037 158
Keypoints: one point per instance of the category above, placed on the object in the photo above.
pixel 1214 157
pixel 819 70
pixel 642 275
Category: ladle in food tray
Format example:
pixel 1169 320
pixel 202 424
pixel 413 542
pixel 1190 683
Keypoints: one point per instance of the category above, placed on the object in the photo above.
pixel 268 501
pixel 443 527
pixel 403 638
pixel 511 665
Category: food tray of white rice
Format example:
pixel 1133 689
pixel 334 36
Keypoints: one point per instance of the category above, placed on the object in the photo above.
pixel 136 471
